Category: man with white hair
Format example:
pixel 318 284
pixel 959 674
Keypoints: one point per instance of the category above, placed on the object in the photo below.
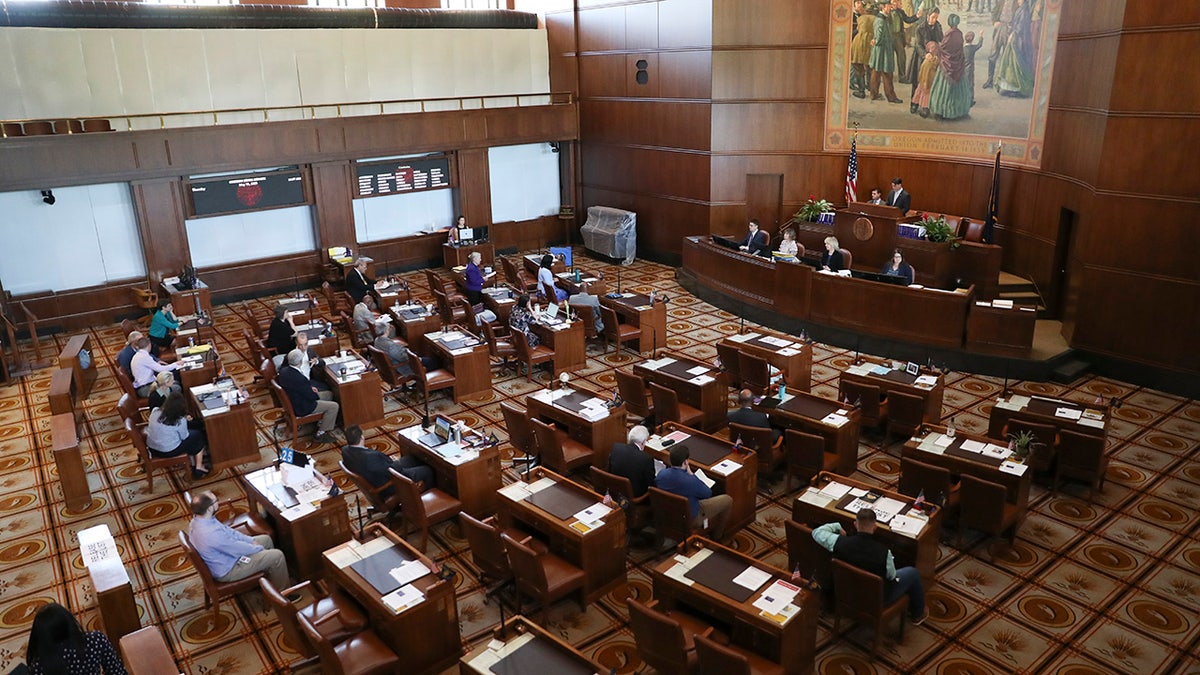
pixel 358 284
pixel 630 460
pixel 307 399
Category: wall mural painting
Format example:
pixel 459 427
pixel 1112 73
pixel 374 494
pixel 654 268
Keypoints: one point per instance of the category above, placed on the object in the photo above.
pixel 945 78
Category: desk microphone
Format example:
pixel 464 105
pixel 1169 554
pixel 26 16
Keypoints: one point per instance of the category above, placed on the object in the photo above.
pixel 618 280
pixel 358 505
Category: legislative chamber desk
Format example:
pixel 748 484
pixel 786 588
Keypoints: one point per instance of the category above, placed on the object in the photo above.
pixel 306 521
pixel 1007 331
pixel 736 475
pixel 697 384
pixel 412 322
pixel 388 292
pixel 457 255
pixel 547 506
pixel 636 309
pixel 72 358
pixel 567 339
pixel 196 328
pixel 232 438
pixel 464 355
pixel 961 456
pixel 793 358
pixel 597 430
pixel 1082 418
pixel 471 474
pixel 360 394
pixel 892 376
pixel 811 414
pixel 533 262
pixel 317 342
pixel 189 300
pixel 700 579
pixel 816 508
pixel 201 363
pixel 424 634
pixel 593 282
pixel 500 298
pixel 521 647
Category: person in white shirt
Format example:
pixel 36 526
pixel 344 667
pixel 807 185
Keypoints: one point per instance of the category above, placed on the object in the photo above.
pixel 144 368
pixel 788 245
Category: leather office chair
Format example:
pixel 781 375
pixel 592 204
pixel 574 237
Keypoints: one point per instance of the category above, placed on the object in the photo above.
pixel 973 232
pixel 64 127
pixel 363 653
pixel 636 394
pixel 289 417
pixel 12 130
pixel 763 442
pixel 730 363
pixel 392 377
pixel 530 355
pixel 216 591
pixel 130 412
pixel 672 516
pixel 513 275
pixel 252 351
pixel 438 283
pixel 148 461
pixel 351 619
pixel 939 488
pixel 520 435
pixel 667 408
pixel 847 259
pixel 806 456
pixel 385 507
pixel 984 506
pixel 423 509
pixel 558 451
pixel 755 372
pixel 858 595
pixel 471 321
pixel 665 640
pixel 145 652
pixel 450 310
pixel 1081 456
pixel 813 560
pixel 713 658
pixel 358 338
pixel 873 403
pixel 501 350
pixel 638 515
pixel 487 553
pixel 542 576
pixel 38 128
pixel 1046 437
pixel 906 413
pixel 620 333
pixel 587 314
pixel 126 383
pixel 432 380
pixel 335 303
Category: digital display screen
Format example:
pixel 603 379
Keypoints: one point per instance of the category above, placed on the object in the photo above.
pixel 402 175
pixel 246 192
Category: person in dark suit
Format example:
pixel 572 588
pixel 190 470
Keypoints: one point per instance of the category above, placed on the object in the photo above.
pixel 307 399
pixel 899 197
pixel 358 284
pixel 897 267
pixel 373 465
pixel 755 241
pixel 630 460
pixel 281 336
pixel 832 260
pixel 746 415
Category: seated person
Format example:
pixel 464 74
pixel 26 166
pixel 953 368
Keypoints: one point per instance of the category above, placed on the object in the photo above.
pixel 364 314
pixel 521 318
pixel 897 267
pixel 162 328
pixel 144 368
pixel 832 260
pixel 58 644
pixel 229 554
pixel 546 287
pixel 311 359
pixel 864 551
pixel 583 297
pixel 746 415
pixel 171 432
pixel 709 512
pixel 164 384
pixel 755 241
pixel 631 460
pixel 281 336
pixel 373 465
pixel 459 223
pixel 306 399
pixel 126 354
pixel 358 284
pixel 387 342
pixel 876 197
pixel 788 246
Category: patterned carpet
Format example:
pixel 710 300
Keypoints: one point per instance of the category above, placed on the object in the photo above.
pixel 1111 586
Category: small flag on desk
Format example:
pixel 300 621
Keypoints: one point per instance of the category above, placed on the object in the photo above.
pixel 989 224
pixel 852 172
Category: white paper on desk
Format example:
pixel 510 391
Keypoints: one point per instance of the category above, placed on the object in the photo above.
pixel 665 361
pixel 815 497
pixel 300 510
pixel 343 557
pixel 788 351
pixel 982 304
pixel 1013 468
pixel 593 513
pixel 725 467
pixel 652 364
pixel 973 446
pixel 540 484
pixel 462 458
pixel 188 331
pixel 96 544
pixel 701 379
pixel 402 598
pixel 835 420
pixel 677 573
pixel 698 370
pixel 1019 401
pixel 929 380
pixel 593 414
pixel 699 473
pixel 907 526
pixel 461 351
pixel 857 492
pixel 374 546
pixel 777 596
pixel 594 402
pixel 752 578
pixel 744 337
pixel 889 505
pixel 1002 304
pixel 996 451
pixel 214 411
pixel 943 441
pixel 1068 413
pixel 857 505
pixel 450 336
pixel 778 342
pixel 516 491
pixel 409 571
pixel 1099 424
pixel 835 489
pixel 677 436
pixel 294 476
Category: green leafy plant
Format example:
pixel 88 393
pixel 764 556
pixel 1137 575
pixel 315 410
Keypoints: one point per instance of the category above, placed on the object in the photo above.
pixel 812 209
pixel 1024 443
pixel 938 230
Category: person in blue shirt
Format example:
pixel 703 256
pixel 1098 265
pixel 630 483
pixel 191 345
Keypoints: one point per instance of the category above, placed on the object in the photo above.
pixel 162 328
pixel 709 512
pixel 864 551
pixel 229 554
pixel 125 356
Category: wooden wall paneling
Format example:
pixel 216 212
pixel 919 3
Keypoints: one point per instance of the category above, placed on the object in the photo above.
pixel 39 162
pixel 775 74
pixel 421 250
pixel 770 22
pixel 603 75
pixel 666 124
pixel 1078 146
pixel 653 75
pixel 560 36
pixel 527 235
pixel 1141 83
pixel 1142 235
pixel 511 126
pixel 685 74
pixel 1106 16
pixel 240 146
pixel 641 26
pixel 1083 68
pixel 601 29
pixel 670 173
pixel 474 188
pixel 252 278
pixel 685 23
pixel 1151 156
pixel 771 127
pixel 160 208
pixel 84 307
pixel 334 185
pixel 764 193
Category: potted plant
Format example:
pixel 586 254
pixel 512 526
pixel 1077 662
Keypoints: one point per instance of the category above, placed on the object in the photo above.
pixel 812 209
pixel 1023 444
pixel 938 230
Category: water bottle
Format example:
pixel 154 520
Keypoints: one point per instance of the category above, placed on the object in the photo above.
pixel 578 276
pixel 191 342
pixel 782 391
pixel 950 428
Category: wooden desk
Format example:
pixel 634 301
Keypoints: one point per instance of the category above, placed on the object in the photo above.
pixel 114 598
pixel 806 412
pixel 793 358
pixel 301 536
pixel 1000 330
pixel 196 328
pixel 300 308
pixel 68 460
pixel 711 397
pixel 473 482
pixel 500 299
pixel 791 644
pixel 390 292
pixel 533 262
pixel 599 434
pixel 232 438
pixel 921 552
pixel 145 652
pixel 1040 409
pixel 469 361
pixel 636 309
pixel 541 652
pixel 600 553
pixel 203 364
pixel 360 396
pixel 425 635
pixel 707 451
pixel 568 341
pixel 593 282
pixel 962 462
pixel 412 322
pixel 61 395
pixel 456 256
pixel 189 300
pixel 317 343
pixel 344 265
pixel 896 378
pixel 70 358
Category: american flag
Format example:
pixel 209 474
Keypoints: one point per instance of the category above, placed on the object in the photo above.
pixel 852 172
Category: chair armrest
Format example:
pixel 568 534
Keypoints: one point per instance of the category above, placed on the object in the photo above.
pixel 325 617
pixel 302 586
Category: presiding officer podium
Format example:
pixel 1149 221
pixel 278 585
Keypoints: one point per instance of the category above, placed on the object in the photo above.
pixel 869 231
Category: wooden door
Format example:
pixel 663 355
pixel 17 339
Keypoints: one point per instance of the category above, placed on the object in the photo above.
pixel 764 202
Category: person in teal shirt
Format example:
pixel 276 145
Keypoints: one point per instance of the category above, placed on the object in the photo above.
pixel 162 329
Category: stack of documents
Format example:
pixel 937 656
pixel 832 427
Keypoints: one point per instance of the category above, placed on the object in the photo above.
pixel 725 467
pixel 591 517
pixel 404 597
pixel 907 525
pixel 684 564
pixel 835 419
pixel 1013 403
pixel 744 337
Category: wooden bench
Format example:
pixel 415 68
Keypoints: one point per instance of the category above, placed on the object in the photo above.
pixel 145 652
pixel 69 460
pixel 70 358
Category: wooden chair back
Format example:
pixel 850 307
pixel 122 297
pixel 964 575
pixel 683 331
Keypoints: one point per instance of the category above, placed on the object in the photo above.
pixel 982 505
pixel 859 596
pixel 285 611
pixel 1080 456
pixel 588 316
pixel 516 421
pixel 215 591
pixel 666 403
pixel 149 461
pixel 145 652
pixel 906 413
pixel 374 494
pixel 917 477
pixel 632 388
pixel 731 362
pixel 672 515
pixel 1046 436
pixel 871 401
pixel 487 548
pixel 526 568
pixel 549 446
pixel 805 455
pixel 804 552
pixel 755 372
pixel 659 638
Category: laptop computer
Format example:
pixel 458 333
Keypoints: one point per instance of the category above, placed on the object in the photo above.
pixel 440 434
pixel 551 311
